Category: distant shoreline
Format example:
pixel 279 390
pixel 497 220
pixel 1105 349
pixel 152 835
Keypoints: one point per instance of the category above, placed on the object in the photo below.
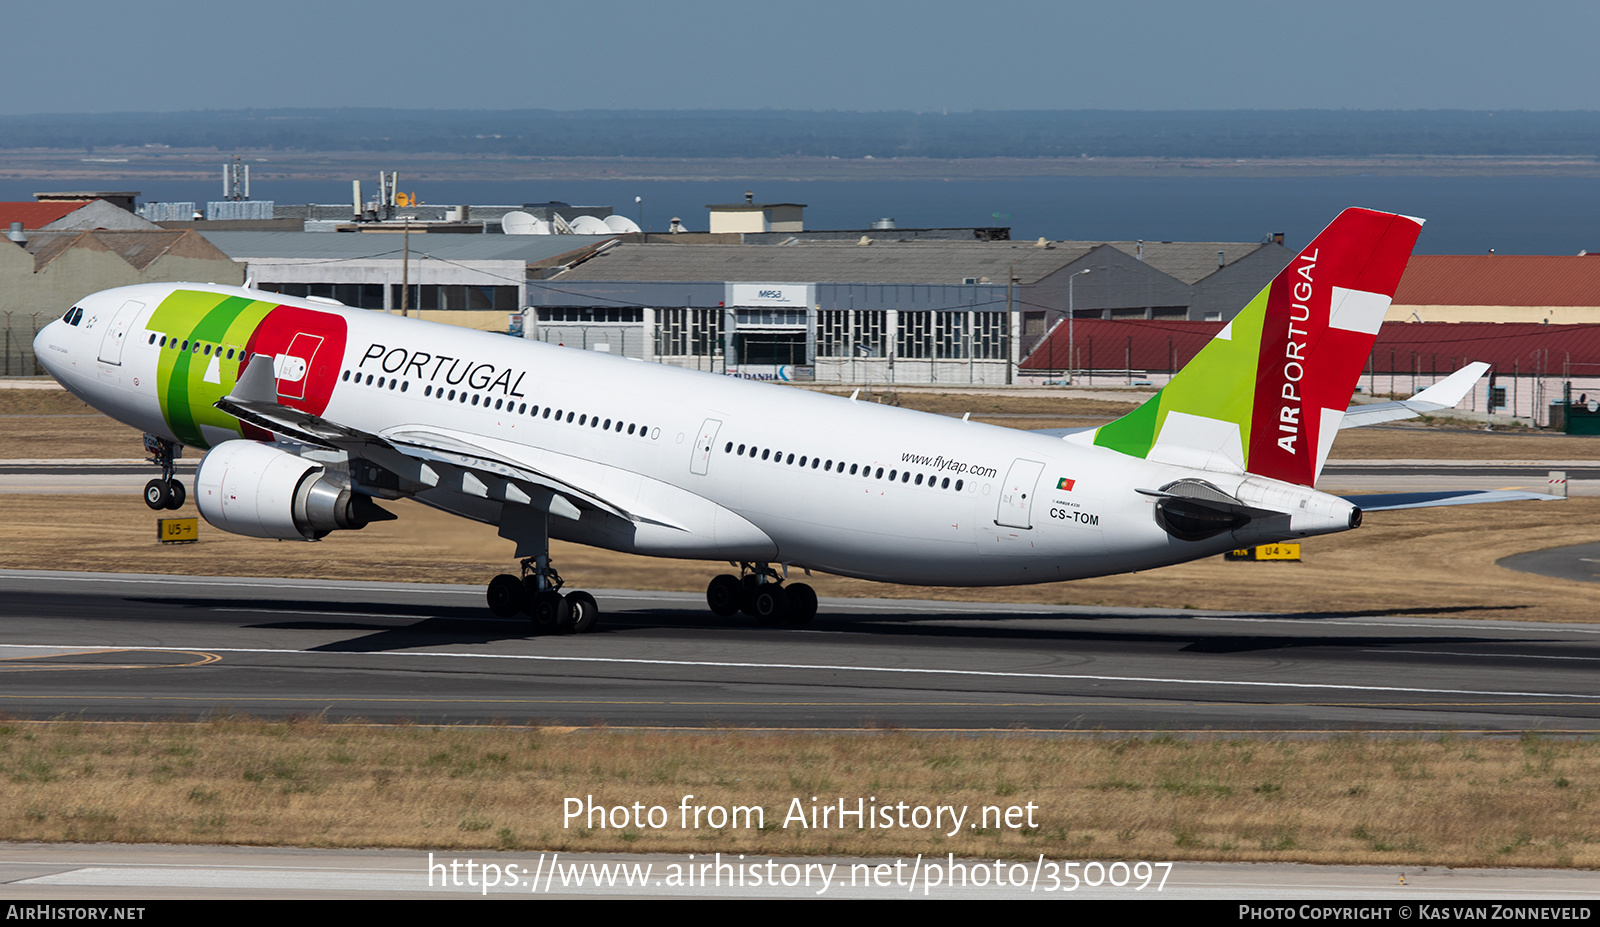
pixel 129 165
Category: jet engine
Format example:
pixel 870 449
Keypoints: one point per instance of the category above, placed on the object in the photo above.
pixel 260 491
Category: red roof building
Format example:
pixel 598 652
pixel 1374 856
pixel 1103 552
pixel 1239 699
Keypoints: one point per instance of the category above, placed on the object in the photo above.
pixel 35 216
pixel 1499 288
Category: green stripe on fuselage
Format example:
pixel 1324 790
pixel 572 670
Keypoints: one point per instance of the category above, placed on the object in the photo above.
pixel 207 318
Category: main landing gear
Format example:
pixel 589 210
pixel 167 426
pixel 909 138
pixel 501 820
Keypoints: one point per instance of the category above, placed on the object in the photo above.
pixel 538 594
pixel 759 592
pixel 167 492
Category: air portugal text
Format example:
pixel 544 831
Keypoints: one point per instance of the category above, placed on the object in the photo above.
pixel 1294 354
pixel 442 368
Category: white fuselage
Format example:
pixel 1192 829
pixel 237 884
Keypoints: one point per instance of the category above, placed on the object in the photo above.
pixel 715 467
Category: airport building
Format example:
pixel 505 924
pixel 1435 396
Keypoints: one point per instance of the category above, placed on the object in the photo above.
pixel 876 310
pixel 1550 289
pixel 477 281
pixel 43 273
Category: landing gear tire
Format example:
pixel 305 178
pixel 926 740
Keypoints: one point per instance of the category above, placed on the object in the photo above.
pixel 748 584
pixel 769 604
pixel 585 612
pixel 550 611
pixel 179 495
pixel 157 495
pixel 725 595
pixel 802 603
pixel 506 595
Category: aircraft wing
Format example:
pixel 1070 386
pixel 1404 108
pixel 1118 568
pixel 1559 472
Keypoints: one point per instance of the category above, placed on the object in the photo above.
pixel 1442 395
pixel 419 455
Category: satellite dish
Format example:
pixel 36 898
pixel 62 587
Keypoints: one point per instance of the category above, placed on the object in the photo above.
pixel 622 225
pixel 1594 406
pixel 518 222
pixel 589 225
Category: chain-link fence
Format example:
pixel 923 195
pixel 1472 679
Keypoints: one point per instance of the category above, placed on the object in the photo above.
pixel 17 358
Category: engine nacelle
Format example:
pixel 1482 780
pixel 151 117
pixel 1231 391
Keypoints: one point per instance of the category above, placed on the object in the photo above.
pixel 257 490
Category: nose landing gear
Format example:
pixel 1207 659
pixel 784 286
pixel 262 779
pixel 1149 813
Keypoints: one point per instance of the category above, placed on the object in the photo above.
pixel 167 492
pixel 759 592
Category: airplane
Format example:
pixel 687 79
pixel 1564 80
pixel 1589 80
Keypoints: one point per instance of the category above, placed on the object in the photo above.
pixel 312 413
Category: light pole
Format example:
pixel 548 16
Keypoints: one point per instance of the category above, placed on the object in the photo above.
pixel 1072 344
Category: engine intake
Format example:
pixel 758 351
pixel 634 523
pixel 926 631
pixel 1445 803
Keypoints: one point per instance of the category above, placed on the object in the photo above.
pixel 260 491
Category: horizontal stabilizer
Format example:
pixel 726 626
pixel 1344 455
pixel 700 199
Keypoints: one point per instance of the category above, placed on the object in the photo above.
pixel 1446 394
pixel 1391 501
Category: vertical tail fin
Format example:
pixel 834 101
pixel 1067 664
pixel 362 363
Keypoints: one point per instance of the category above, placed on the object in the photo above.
pixel 1266 395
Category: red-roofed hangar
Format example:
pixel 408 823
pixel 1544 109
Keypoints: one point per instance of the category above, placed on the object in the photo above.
pixel 1449 310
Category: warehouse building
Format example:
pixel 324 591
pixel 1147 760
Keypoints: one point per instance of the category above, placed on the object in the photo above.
pixel 874 310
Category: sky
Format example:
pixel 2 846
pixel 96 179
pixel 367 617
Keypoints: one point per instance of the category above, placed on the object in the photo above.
pixel 860 55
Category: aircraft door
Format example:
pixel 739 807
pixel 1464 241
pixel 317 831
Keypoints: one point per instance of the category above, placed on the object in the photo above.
pixel 703 445
pixel 116 333
pixel 1015 508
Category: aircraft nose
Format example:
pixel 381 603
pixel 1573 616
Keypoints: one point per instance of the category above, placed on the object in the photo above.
pixel 49 347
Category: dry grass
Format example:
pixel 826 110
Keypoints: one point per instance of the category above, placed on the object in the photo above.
pixel 1349 800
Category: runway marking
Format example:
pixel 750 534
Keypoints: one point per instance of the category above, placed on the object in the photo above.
pixel 1464 653
pixel 895 670
pixel 8 666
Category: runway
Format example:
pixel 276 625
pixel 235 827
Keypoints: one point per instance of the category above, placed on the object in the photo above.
pixel 113 647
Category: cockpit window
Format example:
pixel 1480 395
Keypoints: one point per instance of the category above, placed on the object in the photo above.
pixel 73 316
